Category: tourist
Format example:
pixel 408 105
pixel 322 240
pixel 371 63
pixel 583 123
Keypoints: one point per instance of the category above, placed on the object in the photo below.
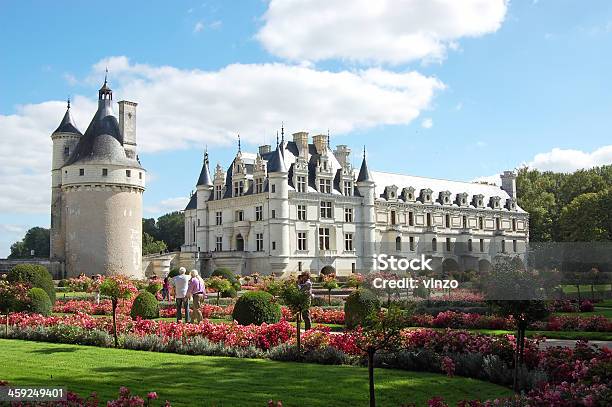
pixel 97 280
pixel 304 284
pixel 166 289
pixel 180 284
pixel 197 291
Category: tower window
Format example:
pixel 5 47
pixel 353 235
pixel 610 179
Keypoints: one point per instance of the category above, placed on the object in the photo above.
pixel 348 242
pixel 301 183
pixel 273 245
pixel 66 151
pixel 219 218
pixel 81 172
pixel 258 212
pixel 273 188
pixel 140 175
pixel 469 245
pixel 104 172
pixel 434 244
pixel 128 173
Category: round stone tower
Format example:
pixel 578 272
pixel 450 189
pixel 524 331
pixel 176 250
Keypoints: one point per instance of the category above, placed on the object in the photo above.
pixel 102 183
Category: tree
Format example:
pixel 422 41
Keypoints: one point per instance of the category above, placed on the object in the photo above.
pixel 171 228
pixel 37 239
pixel 581 219
pixel 381 332
pixel 330 283
pixel 117 288
pixel 150 245
pixel 520 293
pixel 297 301
pixel 149 226
pixel 219 284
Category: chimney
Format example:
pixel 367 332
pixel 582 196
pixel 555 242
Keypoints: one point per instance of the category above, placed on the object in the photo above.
pixel 127 123
pixel 342 154
pixel 320 142
pixel 508 179
pixel 301 140
pixel 266 148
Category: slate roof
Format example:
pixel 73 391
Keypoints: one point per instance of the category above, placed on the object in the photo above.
pixel 67 124
pixel 205 178
pixel 102 141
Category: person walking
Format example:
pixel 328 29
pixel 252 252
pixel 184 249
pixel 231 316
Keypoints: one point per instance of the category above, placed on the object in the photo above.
pixel 304 284
pixel 166 289
pixel 180 284
pixel 197 291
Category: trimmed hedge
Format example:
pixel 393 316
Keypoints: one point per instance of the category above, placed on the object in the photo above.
pixel 145 306
pixel 34 275
pixel 40 303
pixel 359 305
pixel 256 307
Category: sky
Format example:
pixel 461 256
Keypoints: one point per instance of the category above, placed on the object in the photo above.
pixel 454 89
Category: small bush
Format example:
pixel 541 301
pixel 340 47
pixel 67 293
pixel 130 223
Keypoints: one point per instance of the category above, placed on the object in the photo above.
pixel 39 301
pixel 145 306
pixel 173 273
pixel 228 275
pixel 63 283
pixel 154 287
pixel 358 306
pixel 34 275
pixel 256 307
pixel 229 293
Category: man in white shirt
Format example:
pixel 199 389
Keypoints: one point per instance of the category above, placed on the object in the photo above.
pixel 181 283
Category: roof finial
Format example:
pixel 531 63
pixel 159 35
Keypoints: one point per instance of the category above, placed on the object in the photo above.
pixel 276 138
pixel 364 151
pixel 105 75
pixel 282 132
pixel 206 155
pixel 239 147
pixel 328 142
pixel 68 102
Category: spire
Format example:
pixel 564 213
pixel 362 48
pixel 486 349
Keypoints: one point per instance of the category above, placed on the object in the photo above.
pixel 205 178
pixel 105 92
pixel 282 132
pixel 67 124
pixel 239 147
pixel 328 141
pixel 277 139
pixel 364 173
pixel 277 162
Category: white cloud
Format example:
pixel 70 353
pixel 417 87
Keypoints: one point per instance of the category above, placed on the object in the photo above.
pixel 427 123
pixel 199 26
pixel 194 107
pixel 567 160
pixel 185 108
pixel 10 234
pixel 375 31
pixel 25 173
pixel 167 205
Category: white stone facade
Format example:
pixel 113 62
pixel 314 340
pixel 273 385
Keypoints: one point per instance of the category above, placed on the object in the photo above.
pixel 97 187
pixel 303 207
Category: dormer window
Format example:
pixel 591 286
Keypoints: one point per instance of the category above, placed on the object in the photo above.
pixel 238 188
pixel 408 194
pixel 258 185
pixel 325 186
pixel 477 200
pixel 348 188
pixel 301 183
pixel 426 195
pixel 218 191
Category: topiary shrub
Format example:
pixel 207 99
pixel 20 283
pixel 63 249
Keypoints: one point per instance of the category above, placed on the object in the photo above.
pixel 256 307
pixel 229 293
pixel 145 306
pixel 359 305
pixel 228 275
pixel 39 301
pixel 34 275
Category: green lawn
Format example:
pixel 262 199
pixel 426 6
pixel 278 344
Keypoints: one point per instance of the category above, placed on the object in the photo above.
pixel 217 381
pixel 591 336
pixel 603 311
pixel 585 290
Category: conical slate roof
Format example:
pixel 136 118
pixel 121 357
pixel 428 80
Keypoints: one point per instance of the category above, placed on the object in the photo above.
pixel 277 162
pixel 205 178
pixel 67 125
pixel 364 173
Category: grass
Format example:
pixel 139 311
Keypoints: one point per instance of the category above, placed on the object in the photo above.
pixel 206 381
pixel 585 289
pixel 603 311
pixel 571 335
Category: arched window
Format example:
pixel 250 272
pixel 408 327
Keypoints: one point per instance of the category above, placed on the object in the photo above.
pixel 434 244
pixel 398 244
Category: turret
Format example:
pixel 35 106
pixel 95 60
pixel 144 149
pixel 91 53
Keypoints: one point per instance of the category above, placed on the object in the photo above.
pixel 64 138
pixel 204 184
pixel 365 186
pixel 278 189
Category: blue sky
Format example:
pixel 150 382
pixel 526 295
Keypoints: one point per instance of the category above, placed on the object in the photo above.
pixel 519 82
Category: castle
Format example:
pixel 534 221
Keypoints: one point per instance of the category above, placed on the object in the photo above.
pixel 303 207
pixel 97 187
